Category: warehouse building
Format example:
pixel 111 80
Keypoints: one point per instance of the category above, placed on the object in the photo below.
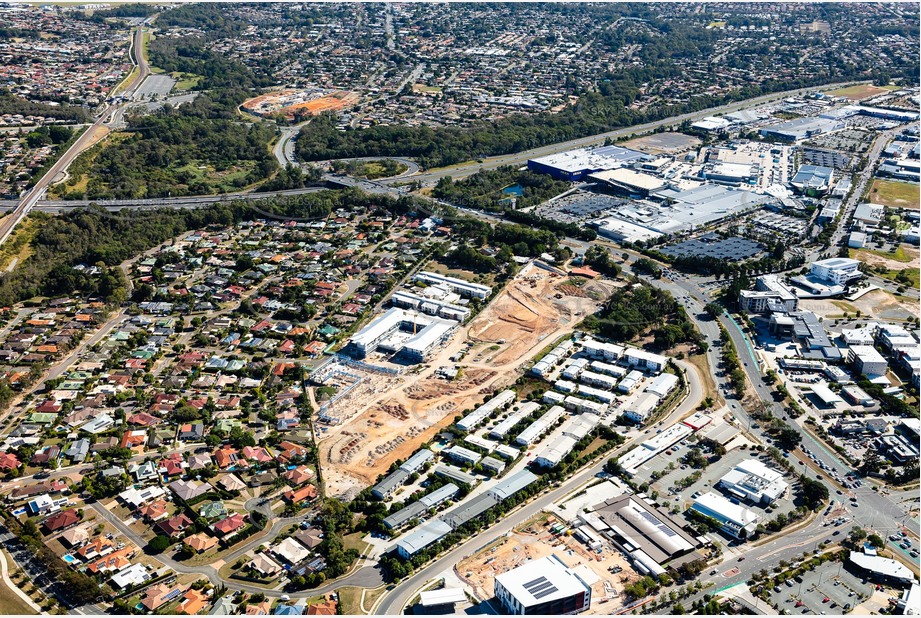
pixel 638 455
pixel 662 385
pixel 464 288
pixel 801 128
pixel 753 481
pixel 734 519
pixel 574 165
pixel 427 534
pixel 551 455
pixel 476 418
pixel 646 533
pixel 512 485
pixel 542 587
pixel 565 439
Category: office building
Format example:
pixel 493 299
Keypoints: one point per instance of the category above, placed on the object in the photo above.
pixel 734 519
pixel 545 586
pixel 836 270
pixel 753 481
pixel 866 360
pixel 770 294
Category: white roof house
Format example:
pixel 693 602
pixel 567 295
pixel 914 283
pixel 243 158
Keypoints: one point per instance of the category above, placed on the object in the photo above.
pixel 290 551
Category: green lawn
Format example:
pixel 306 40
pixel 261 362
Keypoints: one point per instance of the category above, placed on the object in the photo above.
pixel 913 275
pixel 185 81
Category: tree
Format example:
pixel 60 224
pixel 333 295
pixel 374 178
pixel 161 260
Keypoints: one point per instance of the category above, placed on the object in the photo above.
pixel 857 534
pixel 678 609
pixel 713 309
pixel 159 544
pixel 789 438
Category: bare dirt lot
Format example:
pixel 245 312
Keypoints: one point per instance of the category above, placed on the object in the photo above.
pixel 908 254
pixel 388 418
pixel 875 305
pixel 535 542
pixel 663 143
pixel 534 306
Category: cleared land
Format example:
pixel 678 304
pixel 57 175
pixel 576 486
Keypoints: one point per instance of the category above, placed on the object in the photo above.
pixel 895 194
pixel 904 255
pixel 663 143
pixel 875 305
pixel 535 306
pixel 860 91
pixel 386 418
pixel 535 542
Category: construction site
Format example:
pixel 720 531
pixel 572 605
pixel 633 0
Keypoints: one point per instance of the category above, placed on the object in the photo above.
pixel 607 572
pixel 289 103
pixel 382 412
pixel 538 305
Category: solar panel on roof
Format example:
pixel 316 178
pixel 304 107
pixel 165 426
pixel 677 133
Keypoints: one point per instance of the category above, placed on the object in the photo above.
pixel 540 587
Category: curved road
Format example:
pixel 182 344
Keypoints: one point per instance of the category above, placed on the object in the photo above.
pixel 97 131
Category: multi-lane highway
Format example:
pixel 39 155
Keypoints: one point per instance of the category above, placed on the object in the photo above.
pixel 284 153
pixel 96 132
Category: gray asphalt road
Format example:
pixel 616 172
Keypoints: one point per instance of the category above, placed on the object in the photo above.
pixel 520 158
